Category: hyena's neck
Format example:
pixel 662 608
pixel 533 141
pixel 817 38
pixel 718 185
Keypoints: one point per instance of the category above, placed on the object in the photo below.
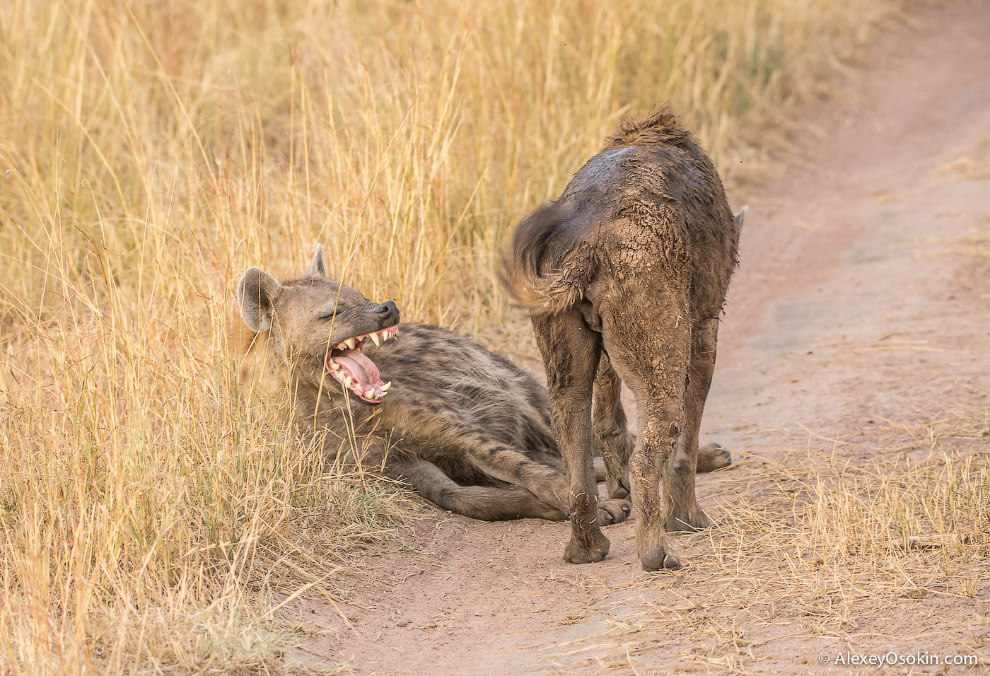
pixel 320 409
pixel 349 435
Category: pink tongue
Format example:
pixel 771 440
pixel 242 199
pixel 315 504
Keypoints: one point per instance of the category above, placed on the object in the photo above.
pixel 359 367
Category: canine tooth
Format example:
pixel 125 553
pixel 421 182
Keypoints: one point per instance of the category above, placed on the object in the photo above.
pixel 375 339
pixel 384 388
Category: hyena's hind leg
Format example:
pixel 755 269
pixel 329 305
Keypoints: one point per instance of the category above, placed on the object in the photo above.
pixel 546 482
pixel 429 425
pixel 488 503
pixel 616 442
pixel 652 357
pixel 611 429
pixel 571 352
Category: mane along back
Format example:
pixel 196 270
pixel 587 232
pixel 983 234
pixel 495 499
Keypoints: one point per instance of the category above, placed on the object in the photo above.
pixel 659 128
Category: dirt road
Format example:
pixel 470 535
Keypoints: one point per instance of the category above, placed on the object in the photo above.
pixel 859 315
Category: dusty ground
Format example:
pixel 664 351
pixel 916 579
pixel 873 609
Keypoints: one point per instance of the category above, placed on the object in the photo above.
pixel 857 331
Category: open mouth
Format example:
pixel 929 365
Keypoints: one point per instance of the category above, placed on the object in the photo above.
pixel 350 367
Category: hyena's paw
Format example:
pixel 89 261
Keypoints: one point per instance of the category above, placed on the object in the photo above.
pixel 655 552
pixel 594 549
pixel 613 511
pixel 713 457
pixel 618 486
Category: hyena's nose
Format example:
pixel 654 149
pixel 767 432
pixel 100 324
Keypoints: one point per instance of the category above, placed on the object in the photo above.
pixel 388 314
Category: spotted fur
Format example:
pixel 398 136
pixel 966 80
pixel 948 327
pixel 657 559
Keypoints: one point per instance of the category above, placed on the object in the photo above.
pixel 468 429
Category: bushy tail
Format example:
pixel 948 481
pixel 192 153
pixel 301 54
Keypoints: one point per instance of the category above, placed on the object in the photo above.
pixel 543 285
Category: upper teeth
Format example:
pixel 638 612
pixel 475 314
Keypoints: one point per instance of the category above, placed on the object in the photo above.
pixel 377 337
pixel 375 394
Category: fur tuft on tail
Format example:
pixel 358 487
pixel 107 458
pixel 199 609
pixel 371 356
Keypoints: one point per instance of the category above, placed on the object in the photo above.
pixel 526 276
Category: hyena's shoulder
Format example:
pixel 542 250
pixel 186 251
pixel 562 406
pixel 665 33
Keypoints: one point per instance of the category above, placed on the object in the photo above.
pixel 441 349
pixel 441 361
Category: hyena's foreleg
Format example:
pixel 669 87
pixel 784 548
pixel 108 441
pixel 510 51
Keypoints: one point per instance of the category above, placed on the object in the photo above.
pixel 616 442
pixel 488 503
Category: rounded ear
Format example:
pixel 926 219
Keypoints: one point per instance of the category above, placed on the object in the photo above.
pixel 256 292
pixel 738 218
pixel 316 267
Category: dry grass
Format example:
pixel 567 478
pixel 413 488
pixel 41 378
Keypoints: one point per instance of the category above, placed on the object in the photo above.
pixel 843 546
pixel 149 152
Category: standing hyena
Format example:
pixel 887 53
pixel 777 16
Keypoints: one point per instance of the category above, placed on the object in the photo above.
pixel 625 276
pixel 466 428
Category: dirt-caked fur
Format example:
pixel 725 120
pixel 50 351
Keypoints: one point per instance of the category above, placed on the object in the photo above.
pixel 625 277
pixel 464 427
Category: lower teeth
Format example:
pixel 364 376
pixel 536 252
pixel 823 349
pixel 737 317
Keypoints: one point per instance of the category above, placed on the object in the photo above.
pixel 351 385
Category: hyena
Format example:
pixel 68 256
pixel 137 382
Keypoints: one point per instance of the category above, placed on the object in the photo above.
pixel 625 277
pixel 464 427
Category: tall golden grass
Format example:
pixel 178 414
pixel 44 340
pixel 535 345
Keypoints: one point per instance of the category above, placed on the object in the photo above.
pixel 151 151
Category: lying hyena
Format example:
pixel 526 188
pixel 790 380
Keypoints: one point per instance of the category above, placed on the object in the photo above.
pixel 464 427
pixel 625 276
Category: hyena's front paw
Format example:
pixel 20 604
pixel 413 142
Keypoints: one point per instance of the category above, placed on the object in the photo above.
pixel 713 457
pixel 613 511
pixel 618 486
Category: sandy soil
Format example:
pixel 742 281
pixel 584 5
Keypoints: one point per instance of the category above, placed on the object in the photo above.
pixel 856 307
